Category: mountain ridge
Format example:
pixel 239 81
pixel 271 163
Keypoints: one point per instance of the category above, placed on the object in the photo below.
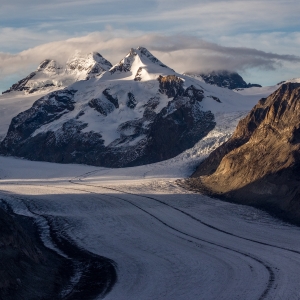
pixel 52 75
pixel 259 164
pixel 223 78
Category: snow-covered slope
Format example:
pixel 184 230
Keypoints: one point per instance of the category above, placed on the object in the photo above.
pixel 50 75
pixel 139 111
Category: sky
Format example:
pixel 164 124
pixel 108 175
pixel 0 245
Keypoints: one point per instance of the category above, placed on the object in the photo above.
pixel 258 39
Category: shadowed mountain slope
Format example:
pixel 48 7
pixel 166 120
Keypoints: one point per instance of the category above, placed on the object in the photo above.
pixel 260 164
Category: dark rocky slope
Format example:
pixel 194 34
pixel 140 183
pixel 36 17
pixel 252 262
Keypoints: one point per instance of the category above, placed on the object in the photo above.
pixel 28 270
pixel 260 164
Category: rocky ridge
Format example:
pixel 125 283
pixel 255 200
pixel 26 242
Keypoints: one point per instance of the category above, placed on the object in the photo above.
pixel 259 164
pixel 225 79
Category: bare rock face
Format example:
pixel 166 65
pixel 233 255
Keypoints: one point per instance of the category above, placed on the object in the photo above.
pixel 29 270
pixel 170 85
pixel 131 103
pixel 179 125
pixel 260 164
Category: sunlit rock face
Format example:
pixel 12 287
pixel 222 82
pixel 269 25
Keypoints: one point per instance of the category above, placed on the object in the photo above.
pixel 259 164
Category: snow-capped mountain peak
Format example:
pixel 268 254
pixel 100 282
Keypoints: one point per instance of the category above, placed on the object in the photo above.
pixel 125 64
pixel 140 65
pixel 51 75
pixel 89 66
pixel 152 58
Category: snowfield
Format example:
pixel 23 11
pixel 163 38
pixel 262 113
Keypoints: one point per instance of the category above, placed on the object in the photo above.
pixel 167 243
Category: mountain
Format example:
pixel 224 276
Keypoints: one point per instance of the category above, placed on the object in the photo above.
pixel 139 111
pixel 260 164
pixel 50 75
pixel 225 79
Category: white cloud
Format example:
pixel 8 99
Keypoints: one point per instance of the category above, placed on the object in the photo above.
pixel 241 26
pixel 23 38
pixel 181 52
pixel 281 42
pixel 206 18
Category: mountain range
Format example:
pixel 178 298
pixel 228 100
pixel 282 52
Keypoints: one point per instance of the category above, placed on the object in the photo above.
pixel 136 112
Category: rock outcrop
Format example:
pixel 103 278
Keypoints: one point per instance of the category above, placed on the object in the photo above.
pixel 260 164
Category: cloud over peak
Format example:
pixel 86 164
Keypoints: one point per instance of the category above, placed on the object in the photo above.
pixel 184 53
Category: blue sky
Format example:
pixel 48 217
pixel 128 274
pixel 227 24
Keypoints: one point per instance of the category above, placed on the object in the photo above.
pixel 187 35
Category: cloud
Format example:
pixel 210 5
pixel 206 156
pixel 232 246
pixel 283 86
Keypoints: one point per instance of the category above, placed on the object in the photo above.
pixel 206 18
pixel 181 52
pixel 203 18
pixel 20 38
pixel 187 35
pixel 283 42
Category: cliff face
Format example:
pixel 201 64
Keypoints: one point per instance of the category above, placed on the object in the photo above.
pixel 260 164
